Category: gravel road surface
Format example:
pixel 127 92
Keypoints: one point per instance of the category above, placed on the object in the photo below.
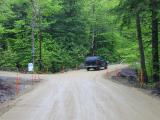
pixel 83 95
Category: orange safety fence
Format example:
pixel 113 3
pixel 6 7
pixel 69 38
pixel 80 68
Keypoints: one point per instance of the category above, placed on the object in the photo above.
pixel 141 78
pixel 17 84
pixel 35 77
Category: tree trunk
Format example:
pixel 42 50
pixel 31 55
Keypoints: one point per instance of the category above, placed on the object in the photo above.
pixel 155 54
pixel 40 50
pixel 93 33
pixel 141 48
pixel 93 42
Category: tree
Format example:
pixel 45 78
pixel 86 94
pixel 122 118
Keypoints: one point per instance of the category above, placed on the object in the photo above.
pixel 155 51
pixel 133 9
pixel 71 30
pixel 141 48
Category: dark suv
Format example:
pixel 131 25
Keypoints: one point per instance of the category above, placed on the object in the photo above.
pixel 95 62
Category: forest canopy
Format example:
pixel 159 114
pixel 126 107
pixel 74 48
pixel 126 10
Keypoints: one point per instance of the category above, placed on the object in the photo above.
pixel 61 33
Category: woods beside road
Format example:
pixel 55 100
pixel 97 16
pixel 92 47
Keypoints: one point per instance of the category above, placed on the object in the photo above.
pixel 83 95
pixel 56 34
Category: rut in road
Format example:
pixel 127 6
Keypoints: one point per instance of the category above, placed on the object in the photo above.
pixel 82 95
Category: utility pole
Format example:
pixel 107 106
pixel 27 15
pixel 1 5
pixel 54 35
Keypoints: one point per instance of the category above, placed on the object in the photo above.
pixel 36 16
pixel 39 18
pixel 32 34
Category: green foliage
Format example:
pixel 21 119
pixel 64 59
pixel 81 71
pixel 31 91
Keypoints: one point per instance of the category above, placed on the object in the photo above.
pixel 8 59
pixel 67 29
pixel 127 12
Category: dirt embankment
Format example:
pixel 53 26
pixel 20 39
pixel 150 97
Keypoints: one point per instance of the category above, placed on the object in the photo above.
pixel 12 85
pixel 7 90
pixel 130 77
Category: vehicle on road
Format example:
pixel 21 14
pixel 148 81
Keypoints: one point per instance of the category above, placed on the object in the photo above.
pixel 95 62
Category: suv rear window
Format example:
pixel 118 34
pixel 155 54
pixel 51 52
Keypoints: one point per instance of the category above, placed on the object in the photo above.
pixel 92 58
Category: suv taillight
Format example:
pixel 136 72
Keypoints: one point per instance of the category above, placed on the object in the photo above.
pixel 97 62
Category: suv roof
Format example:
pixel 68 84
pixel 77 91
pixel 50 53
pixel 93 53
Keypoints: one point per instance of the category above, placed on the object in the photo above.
pixel 92 58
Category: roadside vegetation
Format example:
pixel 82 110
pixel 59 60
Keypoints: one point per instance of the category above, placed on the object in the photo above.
pixel 57 34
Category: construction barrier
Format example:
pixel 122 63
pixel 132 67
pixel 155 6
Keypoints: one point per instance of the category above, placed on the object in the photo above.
pixel 20 83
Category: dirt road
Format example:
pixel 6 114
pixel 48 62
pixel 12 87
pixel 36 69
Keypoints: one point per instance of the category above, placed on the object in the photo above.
pixel 82 95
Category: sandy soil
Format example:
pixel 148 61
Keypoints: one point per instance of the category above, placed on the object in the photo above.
pixel 82 95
